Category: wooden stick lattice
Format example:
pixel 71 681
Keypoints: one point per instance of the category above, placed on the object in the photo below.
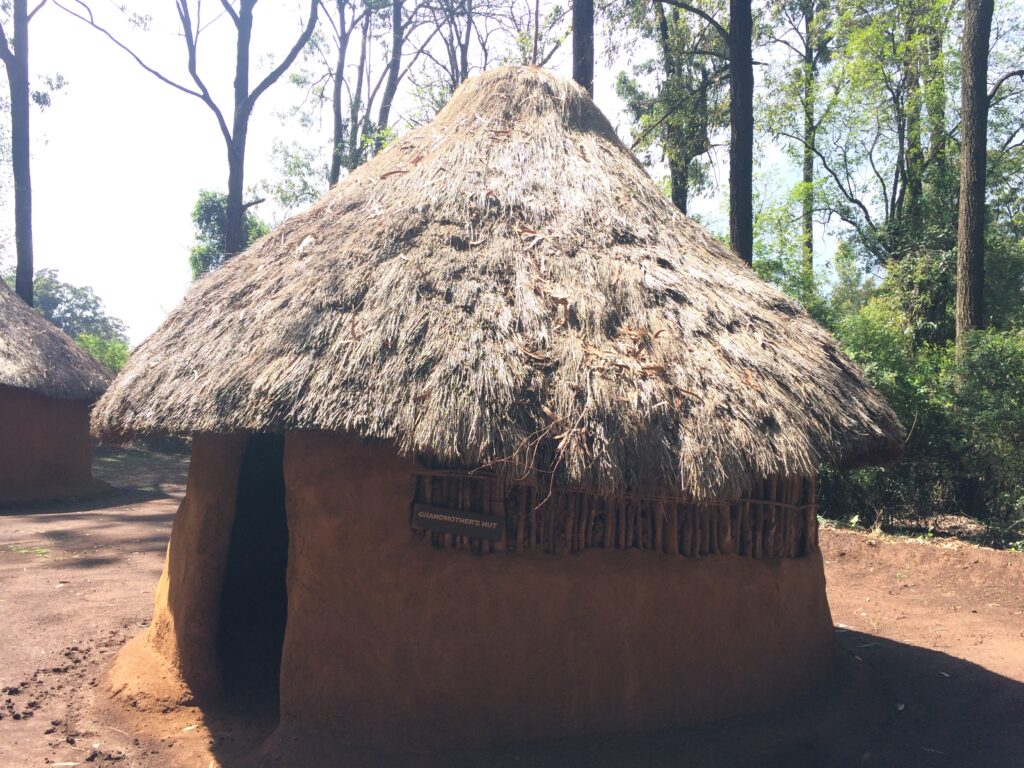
pixel 776 518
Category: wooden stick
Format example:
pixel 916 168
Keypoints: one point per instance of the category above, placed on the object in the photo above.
pixel 570 521
pixel 672 534
pixel 757 533
pixel 705 523
pixel 772 522
pixel 520 519
pixel 580 524
pixel 534 532
pixel 588 521
pixel 725 545
pixel 688 525
pixel 812 516
pixel 501 510
pixel 660 513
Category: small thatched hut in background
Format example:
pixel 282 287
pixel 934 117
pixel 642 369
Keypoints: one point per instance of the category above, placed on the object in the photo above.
pixel 494 443
pixel 47 386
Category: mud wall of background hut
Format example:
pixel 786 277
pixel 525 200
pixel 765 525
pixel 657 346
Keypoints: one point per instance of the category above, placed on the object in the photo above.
pixel 393 642
pixel 44 445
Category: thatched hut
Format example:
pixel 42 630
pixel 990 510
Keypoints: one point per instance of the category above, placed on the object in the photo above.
pixel 493 443
pixel 47 386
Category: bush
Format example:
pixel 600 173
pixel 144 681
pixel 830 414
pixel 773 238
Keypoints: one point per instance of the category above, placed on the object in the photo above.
pixel 113 353
pixel 966 422
pixel 987 393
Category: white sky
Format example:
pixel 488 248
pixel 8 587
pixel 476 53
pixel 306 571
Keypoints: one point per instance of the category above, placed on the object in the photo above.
pixel 119 158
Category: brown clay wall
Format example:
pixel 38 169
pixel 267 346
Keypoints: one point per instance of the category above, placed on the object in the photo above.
pixel 45 448
pixel 398 645
pixel 175 659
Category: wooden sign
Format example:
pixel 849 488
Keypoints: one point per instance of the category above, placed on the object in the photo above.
pixel 457 522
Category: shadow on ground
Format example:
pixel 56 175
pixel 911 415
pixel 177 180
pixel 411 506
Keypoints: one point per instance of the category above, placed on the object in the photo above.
pixel 890 705
pixel 123 476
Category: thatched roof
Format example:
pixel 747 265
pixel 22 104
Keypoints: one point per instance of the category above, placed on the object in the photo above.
pixel 36 355
pixel 507 283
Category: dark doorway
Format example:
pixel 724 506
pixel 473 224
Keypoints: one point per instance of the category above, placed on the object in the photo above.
pixel 254 601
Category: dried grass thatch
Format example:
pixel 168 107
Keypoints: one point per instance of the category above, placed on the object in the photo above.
pixel 507 285
pixel 38 356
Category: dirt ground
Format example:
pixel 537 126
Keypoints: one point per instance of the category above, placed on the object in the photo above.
pixel 931 667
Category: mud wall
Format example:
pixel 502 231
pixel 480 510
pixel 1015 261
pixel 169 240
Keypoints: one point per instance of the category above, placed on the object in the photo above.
pixel 175 658
pixel 45 448
pixel 397 645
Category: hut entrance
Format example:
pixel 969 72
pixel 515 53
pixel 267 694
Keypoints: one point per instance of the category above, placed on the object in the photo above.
pixel 254 600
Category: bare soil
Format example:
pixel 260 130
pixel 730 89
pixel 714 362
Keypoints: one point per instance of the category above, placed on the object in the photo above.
pixel 930 669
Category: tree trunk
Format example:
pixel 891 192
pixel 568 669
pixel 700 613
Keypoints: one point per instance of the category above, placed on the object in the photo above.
pixel 741 143
pixel 338 134
pixel 355 153
pixel 915 153
pixel 939 174
pixel 394 70
pixel 16 65
pixel 234 214
pixel 807 201
pixel 970 256
pixel 680 184
pixel 583 43
pixel 234 220
pixel 464 45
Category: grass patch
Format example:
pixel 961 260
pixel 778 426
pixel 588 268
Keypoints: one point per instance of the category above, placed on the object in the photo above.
pixel 37 551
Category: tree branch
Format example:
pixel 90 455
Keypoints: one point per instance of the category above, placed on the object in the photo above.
pixel 1003 79
pixel 835 176
pixel 281 68
pixel 35 10
pixel 87 18
pixel 230 10
pixel 6 54
pixel 203 94
pixel 698 12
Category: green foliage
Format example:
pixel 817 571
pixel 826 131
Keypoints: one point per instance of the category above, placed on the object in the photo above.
pixel 987 393
pixel 80 313
pixel 209 217
pixel 113 353
pixel 778 253
pixel 300 177
pixel 676 98
pixel 966 421
pixel 75 310
pixel 924 284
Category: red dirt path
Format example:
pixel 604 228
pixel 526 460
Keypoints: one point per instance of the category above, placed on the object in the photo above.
pixel 933 670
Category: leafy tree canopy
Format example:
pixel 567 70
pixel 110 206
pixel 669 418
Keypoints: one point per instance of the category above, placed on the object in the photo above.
pixel 209 217
pixel 80 313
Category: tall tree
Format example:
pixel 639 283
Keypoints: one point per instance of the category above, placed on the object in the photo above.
pixel 349 86
pixel 803 31
pixel 583 43
pixel 234 126
pixel 881 126
pixel 685 105
pixel 349 18
pixel 741 129
pixel 970 252
pixel 14 55
pixel 394 70
pixel 738 36
pixel 469 33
